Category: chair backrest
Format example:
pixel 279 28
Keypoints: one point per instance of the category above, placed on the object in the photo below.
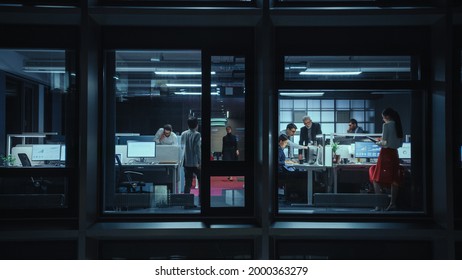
pixel 24 159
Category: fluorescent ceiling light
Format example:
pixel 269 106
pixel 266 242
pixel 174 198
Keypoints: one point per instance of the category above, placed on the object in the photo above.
pixel 386 69
pixel 390 92
pixel 218 119
pixel 332 73
pixel 193 93
pixel 180 72
pixel 188 85
pixel 295 67
pixel 135 69
pixel 301 94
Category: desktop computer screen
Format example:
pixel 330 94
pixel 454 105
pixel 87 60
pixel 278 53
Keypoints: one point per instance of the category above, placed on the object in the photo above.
pixel 366 150
pixel 141 150
pixel 46 152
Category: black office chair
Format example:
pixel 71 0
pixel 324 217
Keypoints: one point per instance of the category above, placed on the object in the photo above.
pixel 37 183
pixel 125 182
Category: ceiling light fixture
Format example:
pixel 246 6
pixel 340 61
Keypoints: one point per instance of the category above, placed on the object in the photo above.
pixel 301 94
pixel 193 93
pixel 330 73
pixel 180 73
pixel 188 85
pixel 44 69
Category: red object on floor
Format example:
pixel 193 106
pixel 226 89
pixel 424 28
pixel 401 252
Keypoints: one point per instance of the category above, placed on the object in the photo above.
pixel 219 183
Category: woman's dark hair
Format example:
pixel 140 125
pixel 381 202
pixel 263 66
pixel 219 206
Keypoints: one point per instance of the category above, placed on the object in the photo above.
pixel 392 114
pixel 283 137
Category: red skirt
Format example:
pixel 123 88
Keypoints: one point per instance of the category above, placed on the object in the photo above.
pixel 387 170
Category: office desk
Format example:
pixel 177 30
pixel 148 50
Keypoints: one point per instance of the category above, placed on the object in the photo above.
pixel 163 167
pixel 309 168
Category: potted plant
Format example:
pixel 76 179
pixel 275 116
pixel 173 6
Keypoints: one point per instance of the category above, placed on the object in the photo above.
pixel 8 160
pixel 335 157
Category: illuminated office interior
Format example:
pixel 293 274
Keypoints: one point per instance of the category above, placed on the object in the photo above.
pixel 86 86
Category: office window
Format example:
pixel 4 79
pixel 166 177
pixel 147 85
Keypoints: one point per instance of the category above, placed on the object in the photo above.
pixel 38 102
pixel 154 94
pixel 322 68
pixel 332 175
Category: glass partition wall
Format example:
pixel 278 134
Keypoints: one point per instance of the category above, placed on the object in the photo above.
pixel 38 93
pixel 159 158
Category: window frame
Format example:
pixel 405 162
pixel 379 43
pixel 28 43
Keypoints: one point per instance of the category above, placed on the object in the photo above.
pixel 138 40
pixel 363 41
pixel 50 38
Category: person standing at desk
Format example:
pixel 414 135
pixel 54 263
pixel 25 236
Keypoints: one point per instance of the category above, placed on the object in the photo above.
pixel 191 146
pixel 387 172
pixel 230 150
pixel 308 132
pixel 166 136
pixel 290 130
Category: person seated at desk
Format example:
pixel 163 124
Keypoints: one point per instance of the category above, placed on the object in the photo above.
pixel 166 136
pixel 283 142
pixel 289 179
pixel 353 127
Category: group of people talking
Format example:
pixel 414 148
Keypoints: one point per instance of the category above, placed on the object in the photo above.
pixel 386 174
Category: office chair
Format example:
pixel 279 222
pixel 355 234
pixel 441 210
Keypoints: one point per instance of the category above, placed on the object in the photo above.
pixel 129 185
pixel 37 183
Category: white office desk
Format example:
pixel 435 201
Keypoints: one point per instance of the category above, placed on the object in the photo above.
pixel 309 168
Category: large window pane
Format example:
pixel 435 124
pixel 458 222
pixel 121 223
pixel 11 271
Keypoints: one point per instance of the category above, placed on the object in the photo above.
pixel 155 94
pixel 325 182
pixel 37 92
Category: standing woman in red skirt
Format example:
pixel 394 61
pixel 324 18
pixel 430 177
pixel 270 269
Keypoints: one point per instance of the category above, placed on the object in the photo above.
pixel 387 172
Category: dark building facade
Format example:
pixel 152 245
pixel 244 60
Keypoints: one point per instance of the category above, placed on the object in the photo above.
pixel 100 86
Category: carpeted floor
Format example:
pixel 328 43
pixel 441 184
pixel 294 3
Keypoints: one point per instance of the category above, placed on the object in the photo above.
pixel 218 183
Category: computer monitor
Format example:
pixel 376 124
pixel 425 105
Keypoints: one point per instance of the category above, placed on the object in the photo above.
pixel 366 149
pixel 168 153
pixel 404 152
pixel 141 150
pixel 46 152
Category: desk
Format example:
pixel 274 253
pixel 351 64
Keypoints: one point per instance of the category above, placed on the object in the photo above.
pixel 166 167
pixel 309 171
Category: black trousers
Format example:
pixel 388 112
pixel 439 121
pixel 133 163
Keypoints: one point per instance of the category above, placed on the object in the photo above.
pixel 188 177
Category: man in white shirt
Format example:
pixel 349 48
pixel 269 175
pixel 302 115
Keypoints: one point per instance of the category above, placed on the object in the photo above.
pixel 166 136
